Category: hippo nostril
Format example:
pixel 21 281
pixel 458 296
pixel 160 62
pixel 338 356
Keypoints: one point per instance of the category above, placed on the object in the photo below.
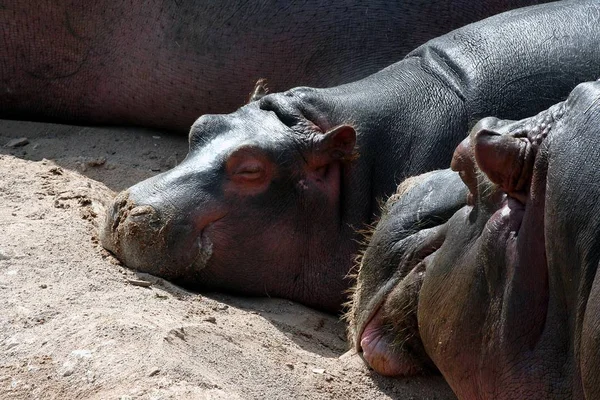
pixel 144 217
pixel 142 210
pixel 505 159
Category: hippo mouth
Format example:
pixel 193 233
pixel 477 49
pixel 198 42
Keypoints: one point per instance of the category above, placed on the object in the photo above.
pixel 377 340
pixel 204 251
pixel 392 345
pixel 144 239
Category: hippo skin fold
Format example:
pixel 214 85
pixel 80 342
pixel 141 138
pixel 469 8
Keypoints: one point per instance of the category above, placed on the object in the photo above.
pixel 489 273
pixel 270 198
pixel 163 63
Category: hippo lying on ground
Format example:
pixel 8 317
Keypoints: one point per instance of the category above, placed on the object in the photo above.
pixel 269 198
pixel 163 63
pixel 498 289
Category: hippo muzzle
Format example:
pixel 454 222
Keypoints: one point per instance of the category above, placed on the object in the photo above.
pixel 153 237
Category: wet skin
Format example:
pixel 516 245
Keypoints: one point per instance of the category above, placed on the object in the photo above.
pixel 506 297
pixel 270 197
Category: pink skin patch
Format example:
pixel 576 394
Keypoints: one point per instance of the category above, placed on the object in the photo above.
pixel 378 351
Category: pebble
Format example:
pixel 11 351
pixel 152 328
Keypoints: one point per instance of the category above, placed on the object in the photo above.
pixel 136 282
pixel 4 256
pixel 19 142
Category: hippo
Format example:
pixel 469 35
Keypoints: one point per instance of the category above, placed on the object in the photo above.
pixel 489 274
pixel 271 198
pixel 164 63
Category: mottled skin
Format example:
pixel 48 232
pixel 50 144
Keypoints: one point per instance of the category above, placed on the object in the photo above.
pixel 269 198
pixel 164 63
pixel 509 299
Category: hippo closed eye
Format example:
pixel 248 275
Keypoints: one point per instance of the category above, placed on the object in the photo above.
pixel 509 300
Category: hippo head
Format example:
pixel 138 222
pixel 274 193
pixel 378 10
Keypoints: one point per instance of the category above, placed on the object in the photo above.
pixel 494 285
pixel 254 208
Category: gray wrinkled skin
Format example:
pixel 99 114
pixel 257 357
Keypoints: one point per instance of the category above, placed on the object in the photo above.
pixel 509 303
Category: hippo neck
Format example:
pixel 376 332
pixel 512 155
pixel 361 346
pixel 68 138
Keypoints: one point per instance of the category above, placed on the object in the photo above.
pixel 398 136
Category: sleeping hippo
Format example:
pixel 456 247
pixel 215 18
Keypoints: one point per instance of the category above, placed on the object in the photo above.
pixel 163 63
pixel 269 199
pixel 494 281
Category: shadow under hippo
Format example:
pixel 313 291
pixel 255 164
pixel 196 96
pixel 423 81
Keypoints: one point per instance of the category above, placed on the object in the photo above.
pixel 269 199
pixel 494 281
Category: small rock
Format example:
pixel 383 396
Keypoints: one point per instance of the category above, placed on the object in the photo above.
pixel 289 365
pixel 319 371
pixel 212 320
pixel 155 137
pixel 56 170
pixel 154 372
pixel 4 256
pixel 19 142
pixel 43 286
pixel 96 162
pixel 136 282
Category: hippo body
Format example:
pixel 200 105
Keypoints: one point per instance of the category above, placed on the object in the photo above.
pixel 164 63
pixel 270 198
pixel 502 284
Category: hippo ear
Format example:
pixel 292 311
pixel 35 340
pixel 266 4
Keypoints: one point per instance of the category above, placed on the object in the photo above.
pixel 337 144
pixel 260 90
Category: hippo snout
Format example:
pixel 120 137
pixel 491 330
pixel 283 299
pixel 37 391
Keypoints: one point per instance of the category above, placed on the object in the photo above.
pixel 132 233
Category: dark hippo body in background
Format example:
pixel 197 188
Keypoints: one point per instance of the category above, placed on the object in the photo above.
pixel 502 293
pixel 269 198
pixel 165 63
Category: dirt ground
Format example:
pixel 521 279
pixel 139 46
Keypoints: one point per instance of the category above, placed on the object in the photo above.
pixel 73 326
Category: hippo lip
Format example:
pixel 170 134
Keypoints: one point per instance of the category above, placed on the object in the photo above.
pixel 421 254
pixel 376 341
pixel 509 215
pixel 204 246
pixel 205 250
pixel 376 304
pixel 377 349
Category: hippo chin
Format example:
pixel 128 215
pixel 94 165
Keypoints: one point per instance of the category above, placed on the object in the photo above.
pixel 269 199
pixel 503 295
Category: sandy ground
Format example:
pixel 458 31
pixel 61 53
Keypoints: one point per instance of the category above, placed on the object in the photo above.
pixel 73 326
